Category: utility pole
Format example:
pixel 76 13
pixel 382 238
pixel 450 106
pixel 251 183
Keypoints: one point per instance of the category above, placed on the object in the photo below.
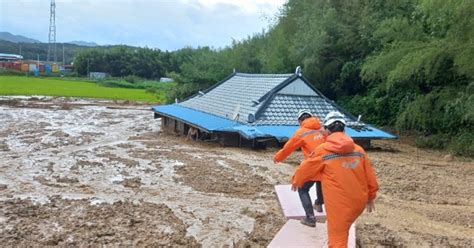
pixel 63 56
pixel 37 65
pixel 52 33
pixel 87 67
pixel 21 60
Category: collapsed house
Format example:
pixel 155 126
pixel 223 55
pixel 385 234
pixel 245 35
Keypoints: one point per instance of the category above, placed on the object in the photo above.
pixel 256 110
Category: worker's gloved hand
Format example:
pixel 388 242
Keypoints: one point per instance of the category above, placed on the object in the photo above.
pixel 275 160
pixel 294 187
pixel 370 206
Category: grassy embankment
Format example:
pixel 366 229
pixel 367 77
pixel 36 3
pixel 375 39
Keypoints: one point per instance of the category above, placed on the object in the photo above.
pixel 20 85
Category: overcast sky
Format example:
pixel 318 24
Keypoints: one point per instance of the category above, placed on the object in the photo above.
pixel 164 24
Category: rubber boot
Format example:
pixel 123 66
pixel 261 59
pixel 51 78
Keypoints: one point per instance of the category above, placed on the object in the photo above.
pixel 309 221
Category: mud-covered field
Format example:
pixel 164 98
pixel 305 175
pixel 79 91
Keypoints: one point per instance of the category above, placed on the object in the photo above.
pixel 76 172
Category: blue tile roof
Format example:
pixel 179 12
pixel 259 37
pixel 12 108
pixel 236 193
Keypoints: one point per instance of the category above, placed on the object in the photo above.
pixel 239 92
pixel 212 123
pixel 264 111
pixel 283 108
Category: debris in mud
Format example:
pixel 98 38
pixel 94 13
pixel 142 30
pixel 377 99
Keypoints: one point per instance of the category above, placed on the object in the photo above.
pixel 50 167
pixel 448 158
pixel 125 145
pixel 85 189
pixel 45 182
pixel 66 179
pixel 132 182
pixel 60 134
pixel 4 147
pixel 10 102
pixel 84 164
pixel 64 103
pixel 35 103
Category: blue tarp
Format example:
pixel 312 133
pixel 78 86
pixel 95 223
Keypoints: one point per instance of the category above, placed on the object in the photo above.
pixel 212 123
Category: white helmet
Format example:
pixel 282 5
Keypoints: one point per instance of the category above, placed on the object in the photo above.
pixel 304 111
pixel 332 117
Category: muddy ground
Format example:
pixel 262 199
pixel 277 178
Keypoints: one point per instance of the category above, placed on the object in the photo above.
pixel 79 172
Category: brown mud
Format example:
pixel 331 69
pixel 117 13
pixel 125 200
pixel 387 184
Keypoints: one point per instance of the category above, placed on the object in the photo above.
pixel 78 172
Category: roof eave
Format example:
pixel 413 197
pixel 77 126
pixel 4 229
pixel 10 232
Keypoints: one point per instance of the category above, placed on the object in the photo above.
pixel 182 120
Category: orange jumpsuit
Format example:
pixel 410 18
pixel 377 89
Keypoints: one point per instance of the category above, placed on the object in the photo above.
pixel 307 137
pixel 348 180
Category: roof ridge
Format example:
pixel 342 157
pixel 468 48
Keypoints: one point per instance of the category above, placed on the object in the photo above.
pixel 263 75
pixel 289 94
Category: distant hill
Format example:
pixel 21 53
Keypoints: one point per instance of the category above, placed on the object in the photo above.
pixel 16 38
pixel 7 36
pixel 83 43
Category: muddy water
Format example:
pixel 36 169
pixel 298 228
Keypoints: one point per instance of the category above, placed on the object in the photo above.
pixel 93 158
pixel 79 172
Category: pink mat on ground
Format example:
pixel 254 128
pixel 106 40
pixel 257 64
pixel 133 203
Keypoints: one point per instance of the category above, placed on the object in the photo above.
pixel 291 204
pixel 295 234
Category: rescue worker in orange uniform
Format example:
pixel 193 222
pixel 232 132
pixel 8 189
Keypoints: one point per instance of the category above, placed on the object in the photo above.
pixel 348 179
pixel 307 137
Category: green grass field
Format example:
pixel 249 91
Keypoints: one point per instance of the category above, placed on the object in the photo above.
pixel 25 86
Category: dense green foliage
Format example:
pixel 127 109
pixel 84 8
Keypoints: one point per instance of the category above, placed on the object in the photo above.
pixel 160 89
pixel 121 61
pixel 20 85
pixel 407 64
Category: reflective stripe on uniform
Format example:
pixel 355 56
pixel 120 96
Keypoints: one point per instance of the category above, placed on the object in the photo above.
pixel 302 135
pixel 336 155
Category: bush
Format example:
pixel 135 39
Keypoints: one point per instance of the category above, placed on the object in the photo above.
pixel 439 141
pixel 463 144
pixel 73 74
pixel 181 92
pixel 132 79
